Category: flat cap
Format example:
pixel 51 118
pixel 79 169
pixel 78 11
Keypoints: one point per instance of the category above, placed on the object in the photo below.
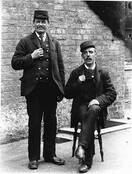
pixel 41 14
pixel 85 45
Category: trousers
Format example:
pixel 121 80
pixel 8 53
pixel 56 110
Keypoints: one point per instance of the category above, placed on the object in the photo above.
pixel 88 118
pixel 41 105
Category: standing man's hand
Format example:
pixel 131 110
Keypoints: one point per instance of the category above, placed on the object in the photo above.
pixel 93 102
pixel 37 53
pixel 81 78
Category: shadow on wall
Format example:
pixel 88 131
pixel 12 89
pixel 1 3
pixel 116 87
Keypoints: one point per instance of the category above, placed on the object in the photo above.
pixel 117 15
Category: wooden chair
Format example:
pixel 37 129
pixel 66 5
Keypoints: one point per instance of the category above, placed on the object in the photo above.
pixel 75 135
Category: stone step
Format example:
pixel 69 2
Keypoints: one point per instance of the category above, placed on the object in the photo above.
pixel 70 131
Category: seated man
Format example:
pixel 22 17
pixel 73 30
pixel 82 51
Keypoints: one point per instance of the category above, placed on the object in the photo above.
pixel 92 92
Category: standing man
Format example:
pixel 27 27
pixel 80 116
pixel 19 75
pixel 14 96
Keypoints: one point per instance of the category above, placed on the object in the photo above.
pixel 92 92
pixel 42 84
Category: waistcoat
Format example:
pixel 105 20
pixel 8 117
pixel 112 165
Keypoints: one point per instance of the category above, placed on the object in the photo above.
pixel 89 87
pixel 44 68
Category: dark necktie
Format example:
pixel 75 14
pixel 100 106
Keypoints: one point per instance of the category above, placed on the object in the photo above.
pixel 89 73
pixel 41 41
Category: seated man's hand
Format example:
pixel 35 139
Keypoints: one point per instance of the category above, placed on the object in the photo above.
pixel 93 102
pixel 81 78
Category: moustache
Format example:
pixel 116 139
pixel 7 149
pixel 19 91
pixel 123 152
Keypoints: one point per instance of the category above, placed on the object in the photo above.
pixel 40 27
pixel 88 58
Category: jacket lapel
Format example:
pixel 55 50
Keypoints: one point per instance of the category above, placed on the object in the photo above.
pixel 82 71
pixel 51 45
pixel 97 77
pixel 35 39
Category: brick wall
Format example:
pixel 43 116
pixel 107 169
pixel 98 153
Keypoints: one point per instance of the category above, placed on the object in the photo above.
pixel 71 22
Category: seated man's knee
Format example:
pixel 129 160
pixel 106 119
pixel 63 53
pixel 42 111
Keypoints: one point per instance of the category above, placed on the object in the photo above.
pixel 95 108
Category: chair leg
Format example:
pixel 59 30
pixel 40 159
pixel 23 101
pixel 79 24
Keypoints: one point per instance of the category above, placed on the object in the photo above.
pixel 74 142
pixel 101 147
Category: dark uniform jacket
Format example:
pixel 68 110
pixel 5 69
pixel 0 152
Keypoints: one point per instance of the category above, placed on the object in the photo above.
pixel 22 60
pixel 105 92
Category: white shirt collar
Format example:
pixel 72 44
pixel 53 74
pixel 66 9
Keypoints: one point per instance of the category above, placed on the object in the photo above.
pixel 93 66
pixel 44 36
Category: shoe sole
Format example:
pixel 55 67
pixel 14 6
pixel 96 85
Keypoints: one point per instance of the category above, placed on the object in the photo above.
pixel 32 168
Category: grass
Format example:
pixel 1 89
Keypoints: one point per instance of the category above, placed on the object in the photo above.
pixel 14 120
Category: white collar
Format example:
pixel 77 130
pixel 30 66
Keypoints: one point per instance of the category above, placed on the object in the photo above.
pixel 44 36
pixel 93 66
